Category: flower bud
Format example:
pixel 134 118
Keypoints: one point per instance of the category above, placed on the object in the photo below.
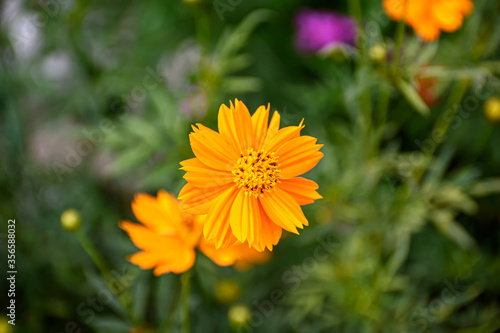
pixel 239 315
pixel 378 53
pixel 5 327
pixel 492 109
pixel 227 291
pixel 71 219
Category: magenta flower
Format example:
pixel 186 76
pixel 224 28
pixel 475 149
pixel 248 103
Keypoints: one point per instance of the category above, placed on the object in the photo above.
pixel 321 30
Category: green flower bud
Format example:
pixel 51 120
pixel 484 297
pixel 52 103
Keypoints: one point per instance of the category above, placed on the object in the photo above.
pixel 227 291
pixel 71 219
pixel 378 53
pixel 239 315
pixel 492 109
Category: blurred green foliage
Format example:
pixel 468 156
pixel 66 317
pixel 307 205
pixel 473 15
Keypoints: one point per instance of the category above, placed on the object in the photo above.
pixel 96 104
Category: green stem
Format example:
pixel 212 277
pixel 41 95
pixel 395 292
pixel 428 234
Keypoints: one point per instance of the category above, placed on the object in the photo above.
pixel 103 267
pixel 355 11
pixel 438 133
pixel 170 319
pixel 365 96
pixel 400 34
pixel 449 111
pixel 365 101
pixel 383 103
pixel 185 295
pixel 94 254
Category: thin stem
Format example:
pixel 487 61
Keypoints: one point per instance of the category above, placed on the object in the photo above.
pixel 383 103
pixel 355 11
pixel 365 96
pixel 438 133
pixel 103 267
pixel 185 295
pixel 449 111
pixel 94 254
pixel 400 34
pixel 170 319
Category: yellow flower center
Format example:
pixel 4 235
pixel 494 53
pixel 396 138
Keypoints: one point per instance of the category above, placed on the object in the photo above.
pixel 257 172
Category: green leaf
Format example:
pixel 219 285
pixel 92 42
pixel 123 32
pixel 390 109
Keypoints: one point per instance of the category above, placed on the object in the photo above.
pixel 427 54
pixel 401 251
pixel 143 130
pixel 110 324
pixel 446 73
pixel 130 158
pixel 412 96
pixel 140 296
pixel 486 187
pixel 444 221
pixel 241 84
pixel 239 36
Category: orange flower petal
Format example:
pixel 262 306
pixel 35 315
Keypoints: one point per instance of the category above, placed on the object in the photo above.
pixel 197 200
pixel 163 218
pixel 245 218
pixel 145 260
pixel 260 119
pixel 216 225
pixel 182 262
pixel 200 175
pixel 394 8
pixel 283 210
pixel 302 190
pixel 235 126
pixel 428 18
pixel 283 136
pixel 428 32
pixel 146 239
pixel 270 232
pixel 298 156
pixel 466 6
pixel 239 254
pixel 221 257
pixel 274 126
pixel 247 256
pixel 212 149
pixel 447 16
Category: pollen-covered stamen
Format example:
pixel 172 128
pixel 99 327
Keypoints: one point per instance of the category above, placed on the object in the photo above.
pixel 257 172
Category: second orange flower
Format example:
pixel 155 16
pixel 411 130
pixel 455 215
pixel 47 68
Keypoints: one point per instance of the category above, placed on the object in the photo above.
pixel 428 18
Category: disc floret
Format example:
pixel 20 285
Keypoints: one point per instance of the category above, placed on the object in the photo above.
pixel 257 172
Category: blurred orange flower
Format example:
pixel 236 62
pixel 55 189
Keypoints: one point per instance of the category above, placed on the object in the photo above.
pixel 426 88
pixel 168 237
pixel 245 177
pixel 429 17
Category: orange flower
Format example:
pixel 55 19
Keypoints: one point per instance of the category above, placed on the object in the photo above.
pixel 429 17
pixel 245 177
pixel 426 89
pixel 168 237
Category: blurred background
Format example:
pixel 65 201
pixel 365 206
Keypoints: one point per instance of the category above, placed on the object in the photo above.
pixel 96 103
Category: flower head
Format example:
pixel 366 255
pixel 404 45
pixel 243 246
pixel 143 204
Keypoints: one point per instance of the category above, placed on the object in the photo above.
pixel 492 109
pixel 168 237
pixel 245 177
pixel 426 88
pixel 322 30
pixel 239 315
pixel 378 53
pixel 71 219
pixel 429 17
